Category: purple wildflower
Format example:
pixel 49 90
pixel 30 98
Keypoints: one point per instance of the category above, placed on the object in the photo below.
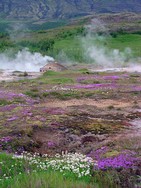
pixel 125 159
pixel 98 77
pixel 120 161
pixel 96 86
pixel 136 88
pixel 7 108
pixel 98 154
pixel 13 118
pixel 5 139
pixel 50 144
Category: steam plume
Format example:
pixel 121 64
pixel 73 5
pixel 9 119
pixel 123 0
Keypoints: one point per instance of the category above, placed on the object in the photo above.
pixel 95 50
pixel 24 61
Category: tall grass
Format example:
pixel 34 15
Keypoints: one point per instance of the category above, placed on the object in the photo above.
pixel 123 41
pixel 45 180
pixel 36 172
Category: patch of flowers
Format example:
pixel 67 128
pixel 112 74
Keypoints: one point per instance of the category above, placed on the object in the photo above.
pixel 96 86
pixel 5 141
pixel 11 96
pixel 69 164
pixel 50 144
pixel 8 107
pixel 58 88
pixel 120 161
pixel 136 88
pixel 125 159
pixel 113 77
pixel 26 111
pixel 78 164
pixel 13 118
pixel 99 77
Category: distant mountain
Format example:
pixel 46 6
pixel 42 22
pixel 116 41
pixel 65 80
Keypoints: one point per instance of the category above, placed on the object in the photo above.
pixel 63 9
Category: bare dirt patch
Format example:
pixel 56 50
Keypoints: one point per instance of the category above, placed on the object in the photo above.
pixel 91 102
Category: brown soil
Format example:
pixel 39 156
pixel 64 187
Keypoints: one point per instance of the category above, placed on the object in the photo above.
pixel 91 102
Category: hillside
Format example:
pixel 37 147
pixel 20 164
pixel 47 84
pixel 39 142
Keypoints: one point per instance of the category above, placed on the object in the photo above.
pixel 63 9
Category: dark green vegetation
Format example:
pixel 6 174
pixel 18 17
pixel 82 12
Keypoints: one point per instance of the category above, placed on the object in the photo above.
pixel 6 26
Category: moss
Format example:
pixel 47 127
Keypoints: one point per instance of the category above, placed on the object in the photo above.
pixel 51 73
pixel 4 102
pixel 32 94
pixel 111 153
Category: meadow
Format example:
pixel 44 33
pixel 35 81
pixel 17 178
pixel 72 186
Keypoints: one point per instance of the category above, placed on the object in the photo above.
pixel 49 121
pixel 78 128
pixel 67 44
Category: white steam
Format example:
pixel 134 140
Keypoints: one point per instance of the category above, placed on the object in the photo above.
pixel 96 51
pixel 94 47
pixel 24 61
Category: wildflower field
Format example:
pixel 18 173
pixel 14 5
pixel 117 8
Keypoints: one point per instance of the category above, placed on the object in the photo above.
pixel 71 129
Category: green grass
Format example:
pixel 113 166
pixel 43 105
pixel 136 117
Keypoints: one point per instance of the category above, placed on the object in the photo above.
pixel 11 167
pixel 63 95
pixel 32 94
pixel 70 49
pixel 52 77
pixel 65 43
pixel 50 73
pixel 123 41
pixel 45 180
pixel 4 102
pixel 17 173
pixel 61 81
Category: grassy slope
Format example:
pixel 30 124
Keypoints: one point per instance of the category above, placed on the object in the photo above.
pixel 66 43
pixel 74 51
pixel 68 40
pixel 69 46
pixel 126 40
